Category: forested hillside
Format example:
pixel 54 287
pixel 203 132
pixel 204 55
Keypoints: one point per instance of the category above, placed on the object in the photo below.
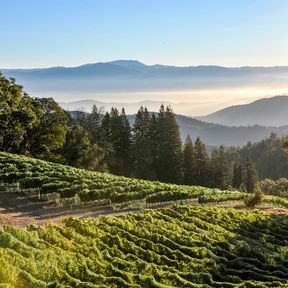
pixel 151 149
pixel 268 156
pixel 267 112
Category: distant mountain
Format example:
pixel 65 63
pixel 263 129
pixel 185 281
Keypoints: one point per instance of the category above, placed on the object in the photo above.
pixel 134 68
pixel 214 134
pixel 267 112
pixel 130 108
pixel 132 81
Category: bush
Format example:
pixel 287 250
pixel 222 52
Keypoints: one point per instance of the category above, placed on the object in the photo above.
pixel 256 199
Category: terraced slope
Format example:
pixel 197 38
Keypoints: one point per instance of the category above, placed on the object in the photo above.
pixel 58 181
pixel 178 247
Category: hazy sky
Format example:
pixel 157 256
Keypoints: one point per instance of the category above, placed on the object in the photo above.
pixel 42 33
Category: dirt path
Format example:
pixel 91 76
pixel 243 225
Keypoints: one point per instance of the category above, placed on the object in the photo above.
pixel 20 210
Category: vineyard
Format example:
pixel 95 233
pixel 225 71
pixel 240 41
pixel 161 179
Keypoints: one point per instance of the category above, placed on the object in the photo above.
pixel 60 182
pixel 169 247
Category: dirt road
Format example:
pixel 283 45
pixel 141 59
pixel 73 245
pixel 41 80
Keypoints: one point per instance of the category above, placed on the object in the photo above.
pixel 18 209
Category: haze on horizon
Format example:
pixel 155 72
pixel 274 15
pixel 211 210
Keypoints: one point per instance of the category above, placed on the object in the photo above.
pixel 226 33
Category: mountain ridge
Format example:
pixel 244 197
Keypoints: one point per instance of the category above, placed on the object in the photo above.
pixel 265 111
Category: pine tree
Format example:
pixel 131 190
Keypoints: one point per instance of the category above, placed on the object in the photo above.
pixel 154 138
pixel 250 175
pixel 125 143
pixel 118 132
pixel 222 165
pixel 213 170
pixel 92 124
pixel 105 132
pixel 169 146
pixel 188 162
pixel 201 164
pixel 237 177
pixel 142 146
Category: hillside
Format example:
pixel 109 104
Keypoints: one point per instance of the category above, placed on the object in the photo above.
pixel 74 186
pixel 34 191
pixel 265 112
pixel 178 247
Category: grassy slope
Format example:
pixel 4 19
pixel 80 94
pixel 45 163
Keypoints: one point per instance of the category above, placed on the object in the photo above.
pixel 178 247
pixel 85 186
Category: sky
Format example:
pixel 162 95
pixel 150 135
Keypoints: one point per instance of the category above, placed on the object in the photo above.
pixel 38 33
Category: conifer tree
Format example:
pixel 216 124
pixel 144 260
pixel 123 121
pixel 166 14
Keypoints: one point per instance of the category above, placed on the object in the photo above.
pixel 222 169
pixel 92 124
pixel 237 177
pixel 154 138
pixel 125 143
pixel 201 163
pixel 105 138
pixel 169 156
pixel 142 146
pixel 118 132
pixel 213 170
pixel 250 175
pixel 188 162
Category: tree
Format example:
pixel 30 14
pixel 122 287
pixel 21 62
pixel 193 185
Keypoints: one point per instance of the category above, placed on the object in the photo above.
pixel 92 124
pixel 222 169
pixel 237 177
pixel 219 169
pixel 93 158
pixel 80 152
pixel 285 144
pixel 142 146
pixel 117 131
pixel 77 141
pixel 105 138
pixel 201 163
pixel 189 162
pixel 256 199
pixel 154 137
pixel 250 175
pixel 17 114
pixel 169 148
pixel 49 134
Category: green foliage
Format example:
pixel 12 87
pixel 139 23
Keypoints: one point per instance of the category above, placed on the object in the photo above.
pixel 17 114
pixel 237 178
pixel 275 188
pixel 142 148
pixel 256 199
pixel 117 129
pixel 250 178
pixel 50 133
pixel 189 162
pixel 202 171
pixel 168 160
pixel 219 169
pixel 69 182
pixel 268 157
pixel 29 125
pixel 177 247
